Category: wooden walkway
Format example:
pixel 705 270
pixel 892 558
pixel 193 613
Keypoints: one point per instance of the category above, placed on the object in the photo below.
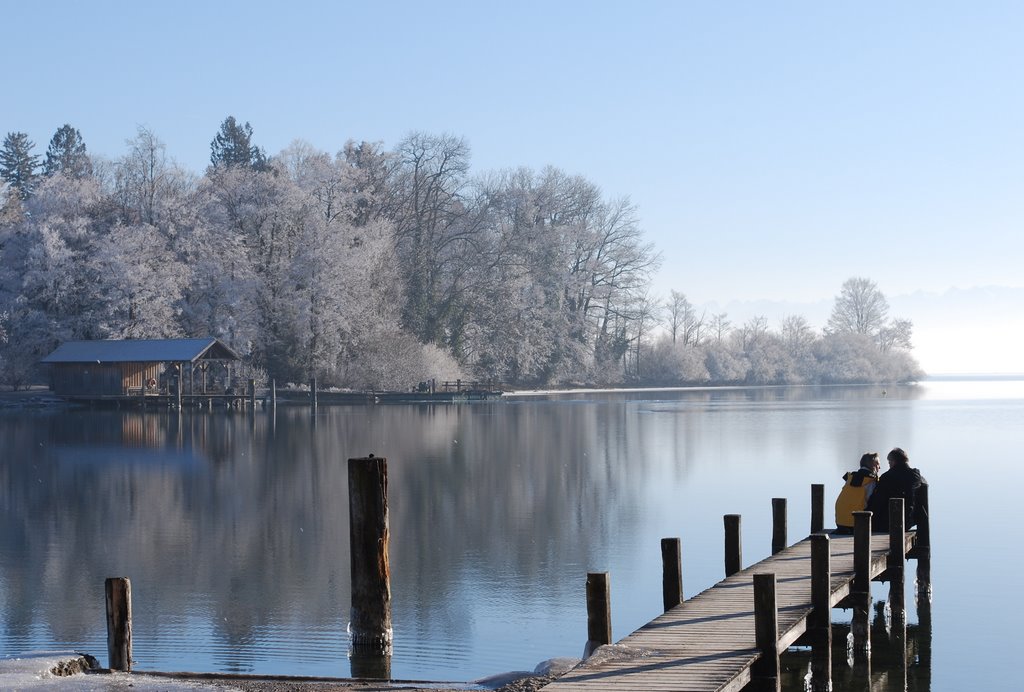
pixel 708 641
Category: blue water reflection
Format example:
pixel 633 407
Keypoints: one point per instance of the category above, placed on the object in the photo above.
pixel 234 528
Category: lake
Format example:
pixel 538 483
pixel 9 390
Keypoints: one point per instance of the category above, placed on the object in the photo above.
pixel 233 527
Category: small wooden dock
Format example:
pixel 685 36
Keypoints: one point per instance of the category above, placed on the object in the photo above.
pixel 729 636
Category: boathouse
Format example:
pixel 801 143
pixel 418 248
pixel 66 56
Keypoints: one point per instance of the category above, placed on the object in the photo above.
pixel 113 368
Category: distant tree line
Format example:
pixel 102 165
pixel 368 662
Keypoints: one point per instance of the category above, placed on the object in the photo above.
pixel 375 268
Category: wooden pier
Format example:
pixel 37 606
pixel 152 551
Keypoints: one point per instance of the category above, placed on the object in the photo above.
pixel 730 636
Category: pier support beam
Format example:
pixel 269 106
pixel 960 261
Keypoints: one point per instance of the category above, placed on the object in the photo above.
pixel 895 568
pixel 860 591
pixel 765 671
pixel 119 623
pixel 923 547
pixel 819 622
pixel 672 572
pixel 371 630
pixel 779 524
pixel 733 545
pixel 599 611
pixel 817 507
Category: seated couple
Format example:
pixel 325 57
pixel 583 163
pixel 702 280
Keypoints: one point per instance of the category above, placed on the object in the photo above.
pixel 864 489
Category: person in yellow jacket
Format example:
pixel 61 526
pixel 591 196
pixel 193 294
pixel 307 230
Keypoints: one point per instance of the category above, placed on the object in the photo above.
pixel 856 492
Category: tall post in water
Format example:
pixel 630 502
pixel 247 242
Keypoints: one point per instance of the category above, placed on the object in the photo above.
pixel 252 395
pixel 119 623
pixel 599 611
pixel 817 507
pixel 923 545
pixel 860 591
pixel 733 545
pixel 819 622
pixel 765 671
pixel 672 572
pixel 273 395
pixel 779 524
pixel 371 632
pixel 312 394
pixel 895 568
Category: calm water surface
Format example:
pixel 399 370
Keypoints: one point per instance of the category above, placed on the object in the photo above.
pixel 234 528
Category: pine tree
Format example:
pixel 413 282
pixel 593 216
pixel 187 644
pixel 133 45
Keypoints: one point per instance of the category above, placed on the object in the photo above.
pixel 18 164
pixel 233 147
pixel 66 154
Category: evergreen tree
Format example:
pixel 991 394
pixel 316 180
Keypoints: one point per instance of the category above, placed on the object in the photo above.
pixel 18 164
pixel 233 147
pixel 66 154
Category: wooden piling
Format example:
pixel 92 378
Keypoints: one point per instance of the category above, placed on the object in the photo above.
pixel 765 671
pixel 923 546
pixel 119 623
pixel 273 394
pixel 895 565
pixel 819 622
pixel 312 394
pixel 252 395
pixel 779 528
pixel 733 545
pixel 860 590
pixel 817 507
pixel 672 572
pixel 369 539
pixel 599 611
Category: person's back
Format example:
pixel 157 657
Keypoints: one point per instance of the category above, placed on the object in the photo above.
pixel 899 481
pixel 857 491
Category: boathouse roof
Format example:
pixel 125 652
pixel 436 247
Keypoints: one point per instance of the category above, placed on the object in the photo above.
pixel 141 351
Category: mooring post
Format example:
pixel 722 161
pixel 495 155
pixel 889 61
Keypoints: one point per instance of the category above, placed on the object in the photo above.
pixel 778 524
pixel 119 623
pixel 817 507
pixel 369 539
pixel 765 671
pixel 923 545
pixel 733 545
pixel 312 394
pixel 672 572
pixel 819 622
pixel 252 395
pixel 895 565
pixel 599 611
pixel 860 593
pixel 273 395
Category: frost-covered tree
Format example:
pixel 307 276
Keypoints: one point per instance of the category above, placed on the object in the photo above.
pixel 860 308
pixel 232 146
pixel 149 188
pixel 18 165
pixel 66 154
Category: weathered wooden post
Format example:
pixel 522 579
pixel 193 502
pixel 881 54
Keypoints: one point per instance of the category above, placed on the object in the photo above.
pixel 119 623
pixel 252 395
pixel 273 395
pixel 733 545
pixel 672 572
pixel 817 507
pixel 779 528
pixel 819 622
pixel 312 394
pixel 860 591
pixel 765 671
pixel 923 545
pixel 895 565
pixel 599 611
pixel 178 385
pixel 369 538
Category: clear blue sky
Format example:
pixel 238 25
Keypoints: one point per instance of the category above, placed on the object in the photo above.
pixel 774 149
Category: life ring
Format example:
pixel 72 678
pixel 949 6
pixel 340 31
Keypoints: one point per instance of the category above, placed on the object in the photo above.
pixel 150 383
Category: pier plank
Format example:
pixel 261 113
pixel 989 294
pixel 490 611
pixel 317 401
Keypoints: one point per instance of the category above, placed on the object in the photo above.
pixel 707 642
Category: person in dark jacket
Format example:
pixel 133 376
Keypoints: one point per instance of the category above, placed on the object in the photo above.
pixel 899 481
pixel 857 488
